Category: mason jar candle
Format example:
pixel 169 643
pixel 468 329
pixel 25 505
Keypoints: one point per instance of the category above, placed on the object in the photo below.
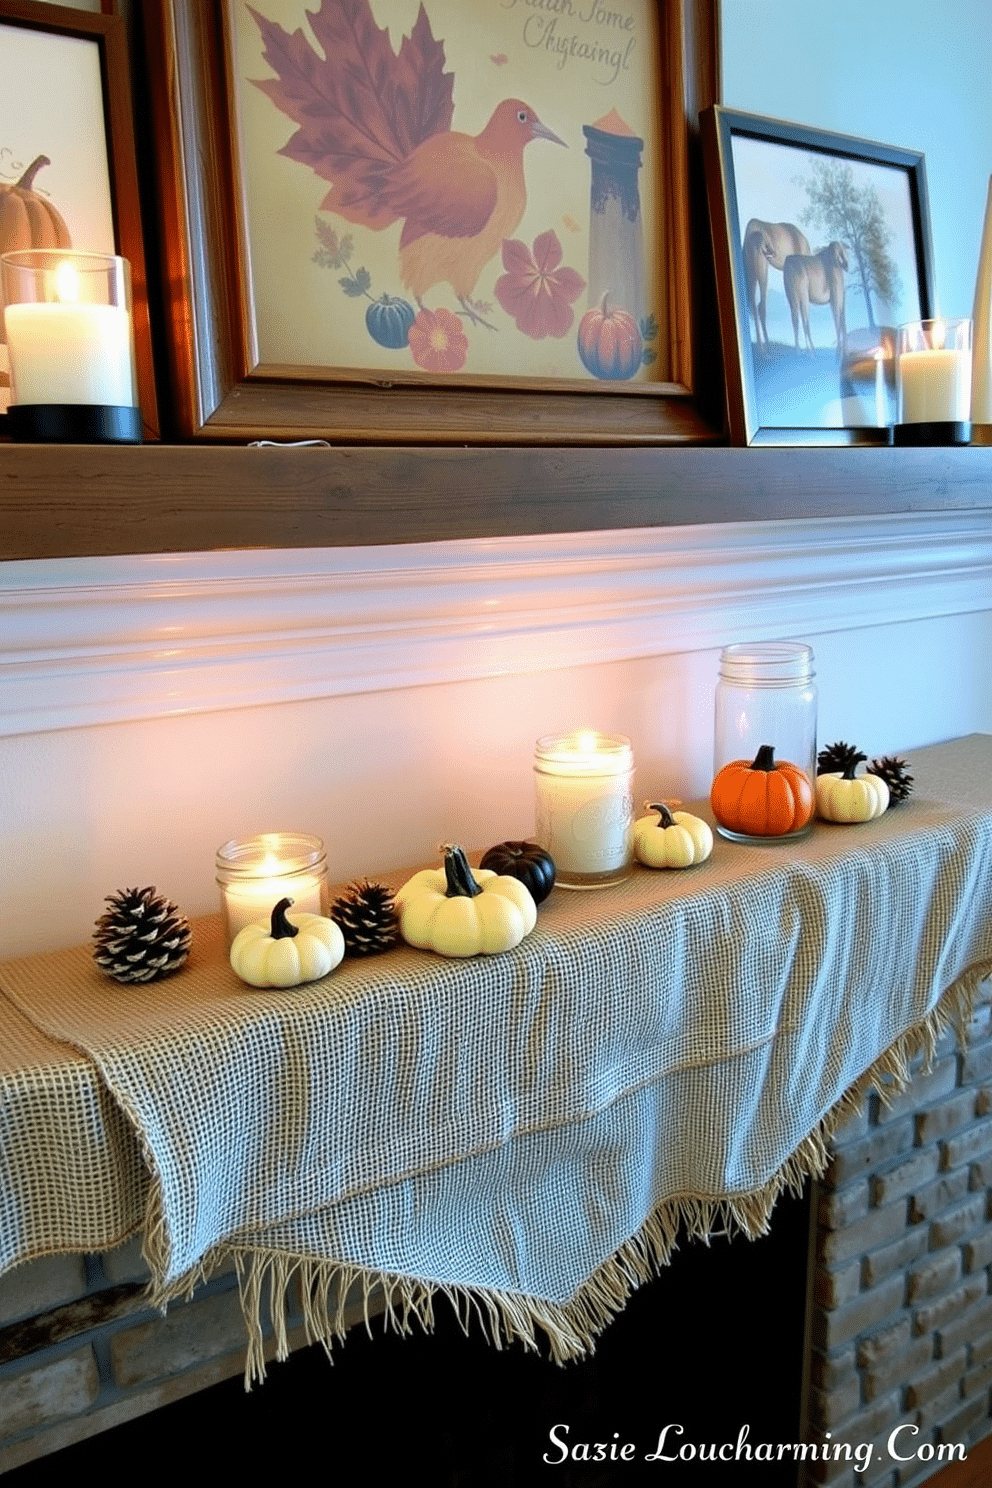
pixel 764 725
pixel 254 873
pixel 584 802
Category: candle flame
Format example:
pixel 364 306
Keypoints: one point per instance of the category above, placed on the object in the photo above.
pixel 66 284
pixel 938 335
pixel 586 740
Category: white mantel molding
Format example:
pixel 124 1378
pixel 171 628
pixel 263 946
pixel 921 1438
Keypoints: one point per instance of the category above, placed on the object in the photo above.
pixel 91 641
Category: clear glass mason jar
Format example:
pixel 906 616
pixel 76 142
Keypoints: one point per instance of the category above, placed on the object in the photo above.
pixel 765 724
pixel 583 785
pixel 254 873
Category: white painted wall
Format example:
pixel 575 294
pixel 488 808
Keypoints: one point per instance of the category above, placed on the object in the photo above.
pixel 389 699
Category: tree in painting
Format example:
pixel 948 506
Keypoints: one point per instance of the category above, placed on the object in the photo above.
pixel 853 215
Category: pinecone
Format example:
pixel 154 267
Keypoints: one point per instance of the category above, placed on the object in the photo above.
pixel 141 937
pixel 893 771
pixel 366 915
pixel 836 758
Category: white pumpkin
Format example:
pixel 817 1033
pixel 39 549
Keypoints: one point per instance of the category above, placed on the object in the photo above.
pixel 671 839
pixel 843 796
pixel 290 950
pixel 458 911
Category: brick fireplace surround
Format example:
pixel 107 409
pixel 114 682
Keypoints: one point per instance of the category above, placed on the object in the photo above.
pixel 899 1331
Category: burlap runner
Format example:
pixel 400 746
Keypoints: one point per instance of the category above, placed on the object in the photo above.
pixel 532 1129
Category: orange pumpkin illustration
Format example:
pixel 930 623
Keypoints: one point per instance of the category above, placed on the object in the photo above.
pixel 28 220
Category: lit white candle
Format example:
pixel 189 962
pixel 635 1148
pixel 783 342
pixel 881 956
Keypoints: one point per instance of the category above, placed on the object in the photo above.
pixel 254 873
pixel 936 386
pixel 881 401
pixel 585 806
pixel 935 380
pixel 252 903
pixel 64 350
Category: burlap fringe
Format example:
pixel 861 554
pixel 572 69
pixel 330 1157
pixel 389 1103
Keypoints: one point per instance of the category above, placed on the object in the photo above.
pixel 331 1294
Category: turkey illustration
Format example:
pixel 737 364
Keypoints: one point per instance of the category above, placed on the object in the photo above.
pixel 376 124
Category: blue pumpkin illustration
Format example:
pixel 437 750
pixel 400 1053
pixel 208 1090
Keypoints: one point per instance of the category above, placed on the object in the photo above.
pixel 388 321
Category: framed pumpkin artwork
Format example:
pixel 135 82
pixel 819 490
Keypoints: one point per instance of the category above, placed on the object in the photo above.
pixel 68 176
pixel 436 222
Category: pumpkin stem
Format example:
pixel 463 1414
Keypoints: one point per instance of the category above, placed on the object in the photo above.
pixel 458 874
pixel 282 929
pixel 667 819
pixel 765 758
pixel 27 180
pixel 852 766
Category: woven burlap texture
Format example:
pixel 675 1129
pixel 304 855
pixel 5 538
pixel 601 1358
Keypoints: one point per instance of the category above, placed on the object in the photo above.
pixel 528 1133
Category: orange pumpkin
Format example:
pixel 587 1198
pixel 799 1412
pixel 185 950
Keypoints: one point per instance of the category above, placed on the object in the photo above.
pixel 28 220
pixel 764 797
pixel 609 342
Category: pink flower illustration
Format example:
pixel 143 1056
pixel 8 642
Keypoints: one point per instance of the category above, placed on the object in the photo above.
pixel 535 290
pixel 438 342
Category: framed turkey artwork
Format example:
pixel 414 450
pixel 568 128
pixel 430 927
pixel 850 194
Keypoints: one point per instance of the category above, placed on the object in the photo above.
pixel 430 221
pixel 68 176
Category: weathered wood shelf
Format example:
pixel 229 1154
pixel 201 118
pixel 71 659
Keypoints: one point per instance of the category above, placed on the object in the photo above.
pixel 62 501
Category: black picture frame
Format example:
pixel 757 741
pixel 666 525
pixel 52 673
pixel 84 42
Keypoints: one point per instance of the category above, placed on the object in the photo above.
pixel 795 388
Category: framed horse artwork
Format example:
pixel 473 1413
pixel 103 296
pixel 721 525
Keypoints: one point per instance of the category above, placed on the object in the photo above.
pixel 822 249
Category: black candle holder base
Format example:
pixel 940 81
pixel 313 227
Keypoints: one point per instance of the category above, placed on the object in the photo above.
pixel 73 423
pixel 956 432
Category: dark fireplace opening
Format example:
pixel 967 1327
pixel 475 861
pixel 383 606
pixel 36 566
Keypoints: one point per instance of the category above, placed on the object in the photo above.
pixel 712 1350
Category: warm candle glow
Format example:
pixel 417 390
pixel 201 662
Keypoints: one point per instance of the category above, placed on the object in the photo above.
pixel 256 872
pixel 934 372
pixel 66 284
pixel 585 805
pixel 68 326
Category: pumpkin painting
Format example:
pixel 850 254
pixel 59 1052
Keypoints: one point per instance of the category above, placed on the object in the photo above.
pixel 610 345
pixel 27 219
pixel 388 321
pixel 763 797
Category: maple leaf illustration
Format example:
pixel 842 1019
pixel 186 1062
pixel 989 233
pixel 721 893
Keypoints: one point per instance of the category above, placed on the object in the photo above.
pixel 360 107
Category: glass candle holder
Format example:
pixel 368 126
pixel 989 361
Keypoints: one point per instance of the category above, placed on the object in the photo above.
pixel 765 716
pixel 933 382
pixel 254 873
pixel 584 800
pixel 70 336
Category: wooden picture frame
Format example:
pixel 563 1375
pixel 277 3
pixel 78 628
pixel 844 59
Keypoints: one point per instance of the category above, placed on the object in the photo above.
pixel 829 376
pixel 108 35
pixel 222 392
